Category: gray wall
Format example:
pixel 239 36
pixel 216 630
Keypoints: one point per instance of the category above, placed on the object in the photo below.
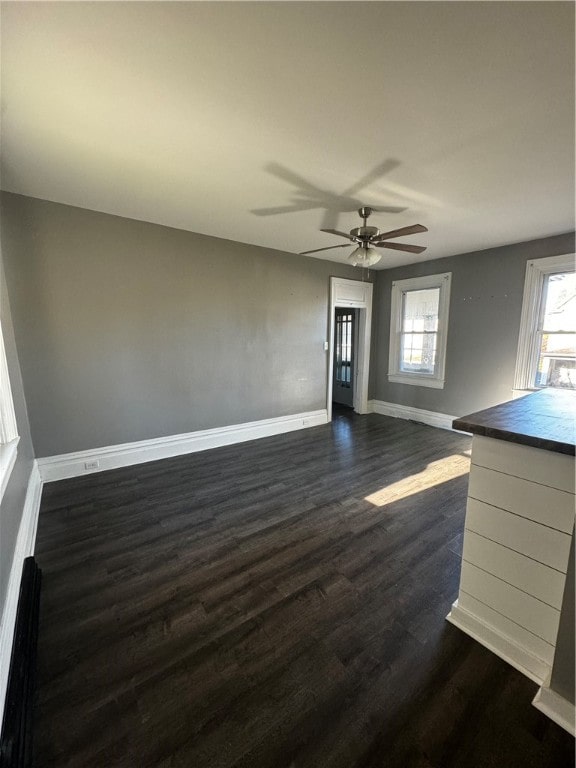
pixel 128 331
pixel 485 308
pixel 15 493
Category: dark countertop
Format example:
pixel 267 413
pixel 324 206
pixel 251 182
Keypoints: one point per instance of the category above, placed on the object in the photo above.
pixel 544 419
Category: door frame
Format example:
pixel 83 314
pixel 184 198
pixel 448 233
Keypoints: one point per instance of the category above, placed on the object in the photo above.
pixel 354 294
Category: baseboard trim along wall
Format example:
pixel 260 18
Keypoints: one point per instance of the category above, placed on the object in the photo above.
pixel 25 542
pixel 533 667
pixel 557 708
pixel 433 419
pixel 114 456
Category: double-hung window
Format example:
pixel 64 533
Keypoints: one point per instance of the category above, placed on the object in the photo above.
pixel 547 342
pixel 418 330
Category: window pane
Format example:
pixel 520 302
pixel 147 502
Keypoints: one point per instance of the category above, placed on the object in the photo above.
pixel 418 352
pixel 420 310
pixel 560 307
pixel 557 361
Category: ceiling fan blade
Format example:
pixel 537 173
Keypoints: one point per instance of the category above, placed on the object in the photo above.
pixel 400 232
pixel 329 248
pixel 336 232
pixel 402 247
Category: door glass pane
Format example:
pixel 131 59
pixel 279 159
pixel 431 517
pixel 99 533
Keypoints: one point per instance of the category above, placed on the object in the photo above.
pixel 419 330
pixel 343 350
pixel 557 335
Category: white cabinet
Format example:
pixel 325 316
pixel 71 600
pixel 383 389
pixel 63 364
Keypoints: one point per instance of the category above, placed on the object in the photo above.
pixel 519 525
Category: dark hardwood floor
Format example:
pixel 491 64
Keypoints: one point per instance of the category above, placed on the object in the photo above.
pixel 274 604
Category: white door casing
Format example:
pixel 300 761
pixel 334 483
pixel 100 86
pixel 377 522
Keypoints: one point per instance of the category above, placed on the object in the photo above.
pixel 356 295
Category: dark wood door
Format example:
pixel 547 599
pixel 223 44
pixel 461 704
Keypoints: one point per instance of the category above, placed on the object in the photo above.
pixel 344 356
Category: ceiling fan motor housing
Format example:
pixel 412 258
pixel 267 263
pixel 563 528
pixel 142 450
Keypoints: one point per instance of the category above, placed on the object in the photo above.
pixel 364 233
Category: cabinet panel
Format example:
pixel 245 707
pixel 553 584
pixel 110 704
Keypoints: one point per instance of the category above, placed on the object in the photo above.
pixel 534 578
pixel 507 628
pixel 543 544
pixel 522 609
pixel 530 500
pixel 544 467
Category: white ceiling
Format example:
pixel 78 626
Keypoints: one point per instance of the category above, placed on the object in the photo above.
pixel 195 115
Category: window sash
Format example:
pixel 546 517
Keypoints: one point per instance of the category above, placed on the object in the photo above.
pixel 422 347
pixel 536 283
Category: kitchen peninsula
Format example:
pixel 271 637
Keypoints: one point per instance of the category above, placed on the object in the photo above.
pixel 518 542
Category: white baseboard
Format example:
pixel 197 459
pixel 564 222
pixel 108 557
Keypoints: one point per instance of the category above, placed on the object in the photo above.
pixel 115 456
pixel 433 419
pixel 25 542
pixel 557 708
pixel 533 667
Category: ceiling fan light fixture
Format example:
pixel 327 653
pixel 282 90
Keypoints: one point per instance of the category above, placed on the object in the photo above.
pixel 364 257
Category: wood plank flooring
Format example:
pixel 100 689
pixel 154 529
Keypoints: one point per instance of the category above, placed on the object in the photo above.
pixel 274 604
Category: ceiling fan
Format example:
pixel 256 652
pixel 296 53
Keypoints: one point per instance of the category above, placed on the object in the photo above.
pixel 369 238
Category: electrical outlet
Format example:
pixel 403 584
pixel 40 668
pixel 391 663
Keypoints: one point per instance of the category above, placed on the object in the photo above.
pixel 91 464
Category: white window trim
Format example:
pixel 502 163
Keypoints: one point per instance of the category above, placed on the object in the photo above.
pixel 537 270
pixel 395 374
pixel 8 429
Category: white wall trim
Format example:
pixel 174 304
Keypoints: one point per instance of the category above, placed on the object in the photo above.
pixel 355 294
pixel 557 708
pixel 416 380
pixel 519 658
pixel 25 543
pixel 8 426
pixel 432 418
pixel 8 452
pixel 114 456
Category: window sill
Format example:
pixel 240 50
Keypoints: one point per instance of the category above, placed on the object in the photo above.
pixel 8 453
pixel 416 380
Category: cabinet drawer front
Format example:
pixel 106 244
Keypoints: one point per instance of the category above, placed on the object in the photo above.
pixel 504 626
pixel 522 609
pixel 543 544
pixel 544 467
pixel 520 571
pixel 531 500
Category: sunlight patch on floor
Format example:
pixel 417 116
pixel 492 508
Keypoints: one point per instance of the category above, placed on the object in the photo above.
pixel 436 473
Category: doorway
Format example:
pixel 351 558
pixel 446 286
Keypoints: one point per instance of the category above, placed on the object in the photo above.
pixel 355 296
pixel 344 366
